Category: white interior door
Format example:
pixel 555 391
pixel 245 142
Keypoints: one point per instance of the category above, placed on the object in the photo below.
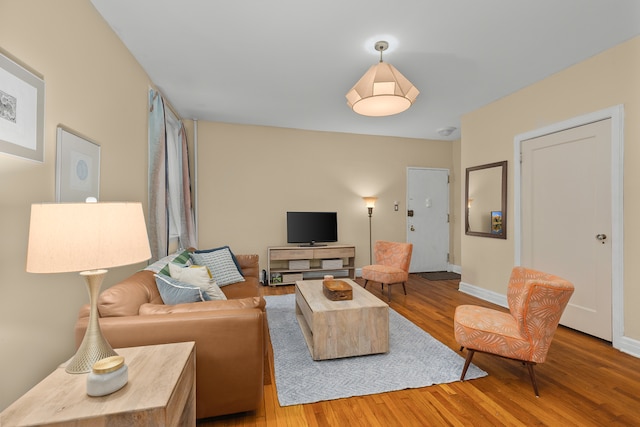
pixel 428 218
pixel 566 218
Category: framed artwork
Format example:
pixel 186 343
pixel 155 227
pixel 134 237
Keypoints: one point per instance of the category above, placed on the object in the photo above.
pixel 496 222
pixel 77 167
pixel 21 111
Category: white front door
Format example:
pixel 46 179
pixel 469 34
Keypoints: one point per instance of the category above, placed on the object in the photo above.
pixel 428 218
pixel 566 218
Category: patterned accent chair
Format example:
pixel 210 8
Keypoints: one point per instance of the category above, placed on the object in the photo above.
pixel 536 303
pixel 392 265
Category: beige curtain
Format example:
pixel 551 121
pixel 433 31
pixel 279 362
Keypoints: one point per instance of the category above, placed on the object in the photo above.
pixel 169 183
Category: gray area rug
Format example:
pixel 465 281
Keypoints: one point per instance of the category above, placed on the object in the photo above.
pixel 415 359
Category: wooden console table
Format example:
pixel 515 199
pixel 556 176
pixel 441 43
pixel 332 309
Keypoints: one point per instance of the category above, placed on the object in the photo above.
pixel 317 258
pixel 160 392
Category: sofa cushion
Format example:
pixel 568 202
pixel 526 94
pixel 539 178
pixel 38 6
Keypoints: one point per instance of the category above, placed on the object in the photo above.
pixel 161 266
pixel 233 256
pixel 174 291
pixel 182 258
pixel 253 302
pixel 197 275
pixel 221 265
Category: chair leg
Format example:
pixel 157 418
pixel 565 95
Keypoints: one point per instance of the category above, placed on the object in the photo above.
pixel 467 362
pixel 533 378
pixel 365 283
pixel 404 289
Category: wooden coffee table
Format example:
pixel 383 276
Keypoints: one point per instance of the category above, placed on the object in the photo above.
pixel 334 329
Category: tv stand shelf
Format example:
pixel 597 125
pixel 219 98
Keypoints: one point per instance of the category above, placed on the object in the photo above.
pixel 336 260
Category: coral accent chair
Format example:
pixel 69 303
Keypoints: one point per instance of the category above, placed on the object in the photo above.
pixel 536 303
pixel 391 267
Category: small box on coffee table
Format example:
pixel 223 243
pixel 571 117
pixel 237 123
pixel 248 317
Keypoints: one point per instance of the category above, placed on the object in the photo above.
pixel 337 290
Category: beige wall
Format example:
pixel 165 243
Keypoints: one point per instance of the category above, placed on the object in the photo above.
pixel 95 87
pixel 608 79
pixel 249 176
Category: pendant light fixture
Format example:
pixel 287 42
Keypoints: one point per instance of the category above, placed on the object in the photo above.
pixel 382 91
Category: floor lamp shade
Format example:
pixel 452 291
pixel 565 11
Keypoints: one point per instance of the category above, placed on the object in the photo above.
pixel 87 238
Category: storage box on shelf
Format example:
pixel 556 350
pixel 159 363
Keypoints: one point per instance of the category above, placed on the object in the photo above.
pixel 299 264
pixel 284 266
pixel 332 264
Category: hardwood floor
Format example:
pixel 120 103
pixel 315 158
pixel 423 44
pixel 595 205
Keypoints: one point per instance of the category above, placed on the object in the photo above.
pixel 584 382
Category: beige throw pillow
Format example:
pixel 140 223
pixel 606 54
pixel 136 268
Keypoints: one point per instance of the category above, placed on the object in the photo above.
pixel 197 275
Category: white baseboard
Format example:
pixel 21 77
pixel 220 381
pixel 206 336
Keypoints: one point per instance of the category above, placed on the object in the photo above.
pixel 629 346
pixel 484 294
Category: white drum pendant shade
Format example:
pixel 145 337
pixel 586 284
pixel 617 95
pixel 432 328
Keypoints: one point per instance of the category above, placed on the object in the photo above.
pixel 382 91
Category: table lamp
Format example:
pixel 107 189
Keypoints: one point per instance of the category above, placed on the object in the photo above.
pixel 87 238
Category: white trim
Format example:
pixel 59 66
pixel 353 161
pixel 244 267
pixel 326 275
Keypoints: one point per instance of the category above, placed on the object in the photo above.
pixel 195 179
pixel 629 346
pixel 484 294
pixel 616 114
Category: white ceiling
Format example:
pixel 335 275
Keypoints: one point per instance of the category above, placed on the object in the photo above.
pixel 289 63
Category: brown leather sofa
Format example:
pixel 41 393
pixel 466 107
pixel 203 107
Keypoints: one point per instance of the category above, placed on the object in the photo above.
pixel 229 335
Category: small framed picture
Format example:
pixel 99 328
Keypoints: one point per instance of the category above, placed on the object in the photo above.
pixel 77 167
pixel 21 111
pixel 496 222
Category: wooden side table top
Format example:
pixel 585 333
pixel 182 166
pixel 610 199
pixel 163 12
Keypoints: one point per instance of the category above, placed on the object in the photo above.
pixel 156 372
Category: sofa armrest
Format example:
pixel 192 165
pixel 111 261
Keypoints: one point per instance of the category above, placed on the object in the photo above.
pixel 204 306
pixel 230 346
pixel 250 265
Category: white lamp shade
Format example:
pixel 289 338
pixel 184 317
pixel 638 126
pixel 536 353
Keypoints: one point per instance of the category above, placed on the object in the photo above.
pixel 370 202
pixel 71 237
pixel 382 91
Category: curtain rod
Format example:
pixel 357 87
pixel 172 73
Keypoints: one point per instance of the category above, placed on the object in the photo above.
pixel 166 102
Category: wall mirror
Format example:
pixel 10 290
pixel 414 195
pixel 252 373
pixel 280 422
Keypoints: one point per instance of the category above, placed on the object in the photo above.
pixel 486 197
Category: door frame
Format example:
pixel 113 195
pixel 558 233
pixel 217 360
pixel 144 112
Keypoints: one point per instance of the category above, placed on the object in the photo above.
pixel 616 114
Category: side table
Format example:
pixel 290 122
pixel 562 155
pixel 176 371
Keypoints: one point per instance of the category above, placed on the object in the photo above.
pixel 160 392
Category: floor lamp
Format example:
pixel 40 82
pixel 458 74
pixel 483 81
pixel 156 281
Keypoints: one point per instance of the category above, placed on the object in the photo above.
pixel 371 203
pixel 87 238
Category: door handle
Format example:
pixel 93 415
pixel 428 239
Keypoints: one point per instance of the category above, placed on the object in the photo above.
pixel 601 237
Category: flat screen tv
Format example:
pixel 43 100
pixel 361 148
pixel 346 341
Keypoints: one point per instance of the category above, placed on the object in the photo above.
pixel 312 228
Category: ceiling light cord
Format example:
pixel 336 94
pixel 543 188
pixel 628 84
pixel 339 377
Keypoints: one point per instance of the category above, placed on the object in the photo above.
pixel 381 46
